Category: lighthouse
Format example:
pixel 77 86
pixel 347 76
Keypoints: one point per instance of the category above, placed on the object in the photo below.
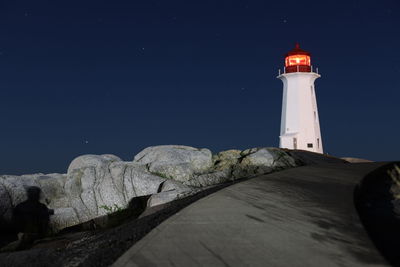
pixel 299 121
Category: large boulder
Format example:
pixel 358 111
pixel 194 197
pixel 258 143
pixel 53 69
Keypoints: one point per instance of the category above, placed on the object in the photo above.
pixel 96 183
pixel 179 163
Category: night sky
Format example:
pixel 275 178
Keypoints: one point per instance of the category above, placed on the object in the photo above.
pixel 94 77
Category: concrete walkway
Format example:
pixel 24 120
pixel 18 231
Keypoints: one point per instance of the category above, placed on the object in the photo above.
pixel 298 217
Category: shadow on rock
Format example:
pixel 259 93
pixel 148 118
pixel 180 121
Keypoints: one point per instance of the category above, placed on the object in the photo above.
pixel 30 220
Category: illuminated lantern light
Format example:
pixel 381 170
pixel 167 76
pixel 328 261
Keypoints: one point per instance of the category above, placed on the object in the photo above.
pixel 298 60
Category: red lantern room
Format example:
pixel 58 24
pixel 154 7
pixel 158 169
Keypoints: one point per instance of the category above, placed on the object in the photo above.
pixel 297 60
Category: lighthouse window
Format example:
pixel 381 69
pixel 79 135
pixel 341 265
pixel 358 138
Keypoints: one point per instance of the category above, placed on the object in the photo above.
pixel 309 145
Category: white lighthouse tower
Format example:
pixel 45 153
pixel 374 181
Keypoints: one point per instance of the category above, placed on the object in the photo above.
pixel 299 122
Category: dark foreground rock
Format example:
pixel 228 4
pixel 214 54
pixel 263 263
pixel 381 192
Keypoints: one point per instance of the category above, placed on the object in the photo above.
pixel 377 200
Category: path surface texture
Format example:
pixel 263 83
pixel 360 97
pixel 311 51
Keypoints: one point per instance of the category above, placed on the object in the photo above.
pixel 298 217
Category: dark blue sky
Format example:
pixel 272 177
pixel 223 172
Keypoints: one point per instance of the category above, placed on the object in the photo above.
pixel 79 77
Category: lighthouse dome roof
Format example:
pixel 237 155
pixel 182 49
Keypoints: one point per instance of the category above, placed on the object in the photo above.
pixel 297 51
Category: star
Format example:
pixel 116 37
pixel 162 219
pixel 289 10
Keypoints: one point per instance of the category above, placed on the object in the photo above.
pixel 86 142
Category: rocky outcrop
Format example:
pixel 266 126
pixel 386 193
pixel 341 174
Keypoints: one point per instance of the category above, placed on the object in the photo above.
pixel 180 163
pixel 97 184
pixel 235 164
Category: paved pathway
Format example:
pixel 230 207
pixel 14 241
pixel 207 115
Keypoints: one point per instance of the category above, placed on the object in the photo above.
pixel 298 217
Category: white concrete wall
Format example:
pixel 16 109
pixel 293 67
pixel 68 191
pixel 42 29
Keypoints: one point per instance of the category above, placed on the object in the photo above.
pixel 300 119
